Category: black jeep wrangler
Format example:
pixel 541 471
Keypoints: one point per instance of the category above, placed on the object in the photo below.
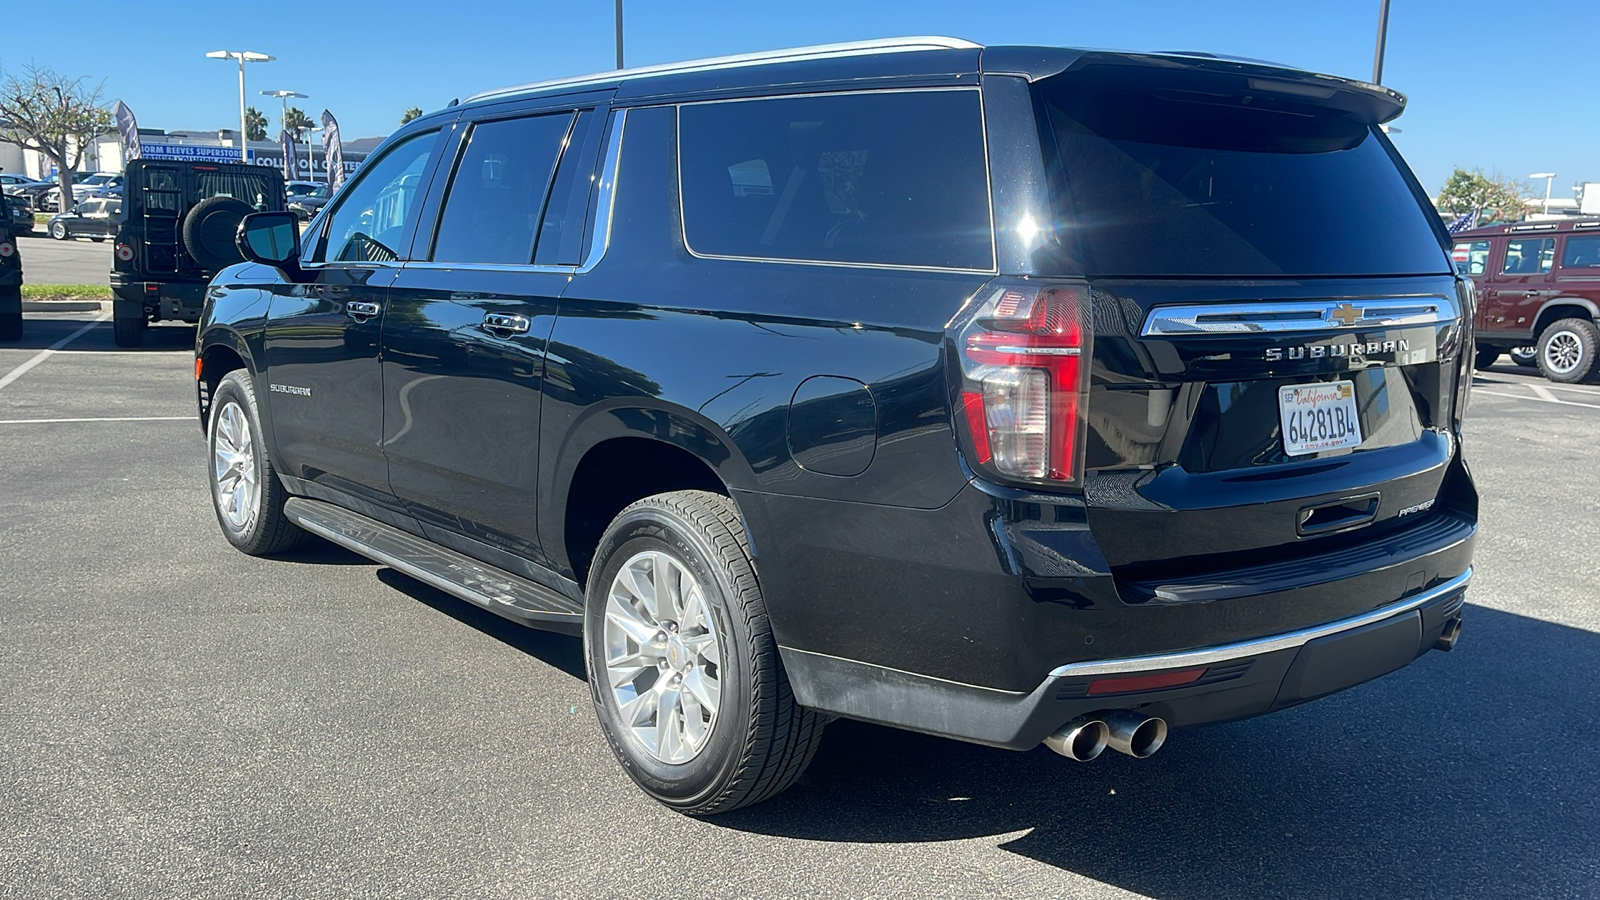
pixel 178 229
pixel 10 278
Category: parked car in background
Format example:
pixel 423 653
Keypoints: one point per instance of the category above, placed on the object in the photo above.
pixel 179 227
pixel 1538 286
pixel 1017 395
pixel 32 189
pixel 96 219
pixel 293 189
pixel 21 212
pixel 309 204
pixel 9 181
pixel 99 184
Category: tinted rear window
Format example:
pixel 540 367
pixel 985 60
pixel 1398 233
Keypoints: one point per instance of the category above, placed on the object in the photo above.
pixel 891 178
pixel 1189 173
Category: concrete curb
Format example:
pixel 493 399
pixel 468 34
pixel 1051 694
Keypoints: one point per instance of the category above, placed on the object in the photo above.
pixel 66 306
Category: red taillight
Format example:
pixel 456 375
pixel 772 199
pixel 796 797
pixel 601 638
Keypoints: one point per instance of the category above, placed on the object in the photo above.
pixel 1025 377
pixel 124 252
pixel 7 250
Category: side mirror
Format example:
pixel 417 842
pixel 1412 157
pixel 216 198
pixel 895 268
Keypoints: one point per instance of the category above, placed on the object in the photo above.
pixel 271 238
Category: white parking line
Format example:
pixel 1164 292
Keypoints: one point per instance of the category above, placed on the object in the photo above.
pixel 1544 393
pixel 1550 398
pixel 45 354
pixel 102 419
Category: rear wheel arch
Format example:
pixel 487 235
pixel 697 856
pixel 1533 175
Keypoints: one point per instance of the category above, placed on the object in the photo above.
pixel 1563 308
pixel 622 456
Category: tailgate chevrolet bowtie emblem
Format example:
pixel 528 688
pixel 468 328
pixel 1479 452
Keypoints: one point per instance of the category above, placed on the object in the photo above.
pixel 1345 314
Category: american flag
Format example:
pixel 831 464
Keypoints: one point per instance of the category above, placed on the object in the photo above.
pixel 1463 223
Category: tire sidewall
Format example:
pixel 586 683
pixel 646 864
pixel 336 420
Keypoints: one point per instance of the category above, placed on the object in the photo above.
pixel 1589 341
pixel 234 389
pixel 655 527
pixel 58 231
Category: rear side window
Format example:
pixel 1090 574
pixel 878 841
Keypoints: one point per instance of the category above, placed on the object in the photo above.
pixel 1186 172
pixel 1529 256
pixel 1471 257
pixel 491 213
pixel 890 178
pixel 566 212
pixel 250 189
pixel 1581 252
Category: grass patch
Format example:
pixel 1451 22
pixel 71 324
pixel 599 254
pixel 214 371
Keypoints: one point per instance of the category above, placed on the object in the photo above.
pixel 40 219
pixel 66 292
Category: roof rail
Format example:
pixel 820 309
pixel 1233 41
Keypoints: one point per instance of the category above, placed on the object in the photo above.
pixel 767 57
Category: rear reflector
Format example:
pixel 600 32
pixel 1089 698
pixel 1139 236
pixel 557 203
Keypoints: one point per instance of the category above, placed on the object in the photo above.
pixel 124 252
pixel 1136 683
pixel 197 364
pixel 7 250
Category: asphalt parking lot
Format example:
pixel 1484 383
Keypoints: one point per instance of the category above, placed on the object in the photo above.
pixel 177 719
pixel 76 261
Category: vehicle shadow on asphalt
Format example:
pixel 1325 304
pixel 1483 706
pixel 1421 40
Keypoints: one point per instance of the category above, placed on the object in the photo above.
pixel 40 331
pixel 1468 774
pixel 560 651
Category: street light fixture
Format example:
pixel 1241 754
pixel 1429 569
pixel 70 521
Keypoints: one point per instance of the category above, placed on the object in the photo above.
pixel 1548 178
pixel 243 56
pixel 283 120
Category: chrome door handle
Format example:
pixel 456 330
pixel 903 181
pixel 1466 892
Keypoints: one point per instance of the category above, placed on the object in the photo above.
pixel 361 310
pixel 502 324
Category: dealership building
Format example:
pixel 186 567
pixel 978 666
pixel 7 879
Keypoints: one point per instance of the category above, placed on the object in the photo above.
pixel 214 146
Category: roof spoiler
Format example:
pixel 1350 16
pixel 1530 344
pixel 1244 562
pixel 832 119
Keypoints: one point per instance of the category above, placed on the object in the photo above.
pixel 1371 102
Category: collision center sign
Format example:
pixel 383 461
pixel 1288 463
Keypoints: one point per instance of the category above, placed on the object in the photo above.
pixel 192 153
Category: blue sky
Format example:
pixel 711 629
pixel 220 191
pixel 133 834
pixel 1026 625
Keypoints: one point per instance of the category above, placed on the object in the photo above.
pixel 1496 84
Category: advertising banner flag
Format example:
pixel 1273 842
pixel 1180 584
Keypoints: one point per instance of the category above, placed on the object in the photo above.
pixel 332 151
pixel 128 130
pixel 290 163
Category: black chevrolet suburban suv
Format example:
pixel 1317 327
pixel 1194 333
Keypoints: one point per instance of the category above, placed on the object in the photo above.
pixel 1017 395
pixel 10 276
pixel 177 228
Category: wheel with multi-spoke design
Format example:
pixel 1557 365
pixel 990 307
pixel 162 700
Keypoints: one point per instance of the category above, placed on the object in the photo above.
pixel 1568 349
pixel 682 663
pixel 1525 356
pixel 244 485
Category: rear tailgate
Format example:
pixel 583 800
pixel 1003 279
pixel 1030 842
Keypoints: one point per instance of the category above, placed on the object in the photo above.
pixel 1246 234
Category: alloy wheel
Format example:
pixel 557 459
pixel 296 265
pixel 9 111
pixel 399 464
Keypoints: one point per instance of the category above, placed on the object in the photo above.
pixel 1562 352
pixel 663 656
pixel 233 467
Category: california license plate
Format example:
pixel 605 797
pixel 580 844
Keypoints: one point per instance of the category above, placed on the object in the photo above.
pixel 1318 417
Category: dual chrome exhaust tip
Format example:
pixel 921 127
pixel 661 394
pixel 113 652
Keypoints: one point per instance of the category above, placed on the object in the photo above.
pixel 1123 730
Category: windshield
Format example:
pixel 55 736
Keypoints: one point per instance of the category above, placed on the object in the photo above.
pixel 1192 173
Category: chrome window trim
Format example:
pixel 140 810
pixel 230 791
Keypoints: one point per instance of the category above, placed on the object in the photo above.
pixel 983 131
pixel 1225 652
pixel 431 265
pixel 1279 316
pixel 606 199
pixel 712 64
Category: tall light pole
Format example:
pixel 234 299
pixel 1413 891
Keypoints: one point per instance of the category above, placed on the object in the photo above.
pixel 243 56
pixel 311 163
pixel 1548 178
pixel 283 120
pixel 1383 38
pixel 619 34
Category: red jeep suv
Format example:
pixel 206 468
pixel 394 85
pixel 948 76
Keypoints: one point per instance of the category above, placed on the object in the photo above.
pixel 1538 284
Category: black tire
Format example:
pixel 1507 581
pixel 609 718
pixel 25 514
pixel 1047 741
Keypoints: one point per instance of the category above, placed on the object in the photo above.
pixel 97 238
pixel 11 326
pixel 761 740
pixel 1486 357
pixel 58 230
pixel 1568 349
pixel 210 231
pixel 1528 357
pixel 266 529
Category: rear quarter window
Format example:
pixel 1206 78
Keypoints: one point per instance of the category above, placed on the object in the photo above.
pixel 894 178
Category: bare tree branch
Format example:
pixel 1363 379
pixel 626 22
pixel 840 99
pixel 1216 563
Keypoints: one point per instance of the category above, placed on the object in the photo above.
pixel 52 114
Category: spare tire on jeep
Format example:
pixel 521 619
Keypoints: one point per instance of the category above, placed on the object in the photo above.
pixel 210 228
